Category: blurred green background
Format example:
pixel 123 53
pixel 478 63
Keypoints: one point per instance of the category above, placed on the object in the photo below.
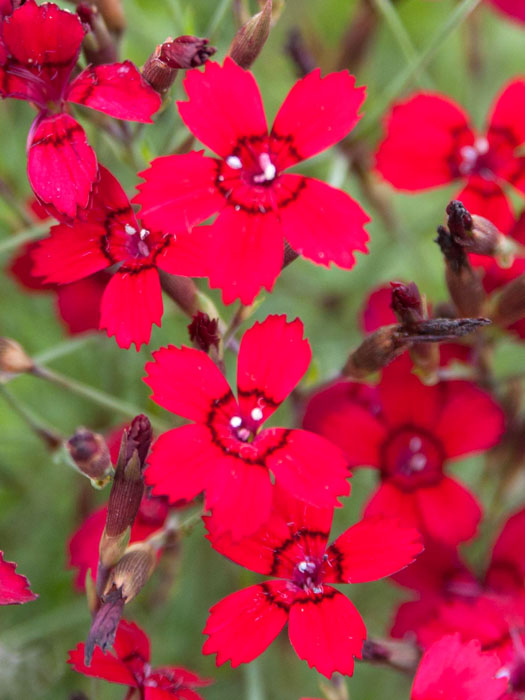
pixel 42 500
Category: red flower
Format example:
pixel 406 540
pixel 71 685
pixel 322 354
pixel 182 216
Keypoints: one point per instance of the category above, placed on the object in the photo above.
pixel 258 205
pixel 109 234
pixel 130 665
pixel 457 671
pixel 39 48
pixel 511 8
pixel 224 452
pixel 409 431
pixel 14 588
pixel 324 627
pixel 430 142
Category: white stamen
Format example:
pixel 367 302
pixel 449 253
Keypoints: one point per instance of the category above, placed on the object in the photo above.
pixel 481 145
pixel 234 162
pixel 235 421
pixel 144 233
pixel 306 567
pixel 130 230
pixel 418 462
pixel 268 169
pixel 256 414
pixel 415 444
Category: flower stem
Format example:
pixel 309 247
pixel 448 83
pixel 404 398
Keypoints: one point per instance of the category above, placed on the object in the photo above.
pixel 42 430
pixel 18 239
pixel 217 18
pixel 254 681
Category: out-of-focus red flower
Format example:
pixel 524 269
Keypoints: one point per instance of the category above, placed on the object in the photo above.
pixel 224 452
pixel 130 665
pixel 259 206
pixel 429 142
pixel 14 588
pixel 110 234
pixel 324 627
pixel 456 671
pixel 511 8
pixel 39 48
pixel 409 431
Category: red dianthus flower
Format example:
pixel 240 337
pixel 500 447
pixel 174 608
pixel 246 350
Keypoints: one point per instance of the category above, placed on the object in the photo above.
pixel 258 205
pixel 39 48
pixel 130 665
pixel 109 234
pixel 429 142
pixel 14 588
pixel 224 452
pixel 408 431
pixel 324 627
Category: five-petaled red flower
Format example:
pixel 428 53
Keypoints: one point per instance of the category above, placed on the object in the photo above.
pixel 224 452
pixel 39 48
pixel 109 234
pixel 324 627
pixel 408 431
pixel 130 665
pixel 259 206
pixel 14 588
pixel 456 671
pixel 430 142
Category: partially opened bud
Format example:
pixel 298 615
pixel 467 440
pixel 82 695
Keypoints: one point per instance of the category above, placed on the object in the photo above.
pixel 375 352
pixel 251 37
pixel 13 357
pixel 479 235
pixel 204 331
pixel 104 625
pixel 407 303
pixel 509 305
pixel 90 453
pixel 161 68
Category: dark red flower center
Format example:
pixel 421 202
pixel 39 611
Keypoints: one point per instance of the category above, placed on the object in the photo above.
pixel 412 458
pixel 307 574
pixel 132 245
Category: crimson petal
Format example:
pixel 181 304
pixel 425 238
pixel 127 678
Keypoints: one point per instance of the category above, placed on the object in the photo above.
pixel 450 513
pixel 486 198
pixel 106 666
pixel 14 588
pixel 78 303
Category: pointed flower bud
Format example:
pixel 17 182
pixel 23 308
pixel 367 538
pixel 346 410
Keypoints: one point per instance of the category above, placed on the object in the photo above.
pixel 251 37
pixel 204 331
pixel 132 571
pixel 509 305
pixel 90 453
pixel 104 625
pixel 99 45
pixel 375 352
pixel 161 68
pixel 13 357
pixel 407 303
pixel 113 13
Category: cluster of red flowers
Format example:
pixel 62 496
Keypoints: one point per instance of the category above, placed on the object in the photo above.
pixel 269 493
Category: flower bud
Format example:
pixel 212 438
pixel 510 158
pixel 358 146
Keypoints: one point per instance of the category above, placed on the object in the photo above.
pixel 375 352
pixel 90 453
pixel 99 45
pixel 161 68
pixel 204 331
pixel 13 357
pixel 132 571
pixel 509 305
pixel 399 654
pixel 407 303
pixel 182 290
pixel 104 625
pixel 251 37
pixel 113 13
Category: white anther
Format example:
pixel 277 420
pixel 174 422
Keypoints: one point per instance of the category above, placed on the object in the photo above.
pixel 256 414
pixel 268 169
pixel 415 444
pixel 144 233
pixel 418 462
pixel 481 145
pixel 235 421
pixel 130 230
pixel 306 567
pixel 234 162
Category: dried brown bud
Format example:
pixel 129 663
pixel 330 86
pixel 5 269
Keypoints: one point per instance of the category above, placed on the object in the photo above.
pixel 90 453
pixel 161 68
pixel 509 305
pixel 407 303
pixel 13 357
pixel 375 352
pixel 401 655
pixel 251 37
pixel 132 571
pixel 479 235
pixel 104 625
pixel 204 331
pixel 439 330
pixel 99 45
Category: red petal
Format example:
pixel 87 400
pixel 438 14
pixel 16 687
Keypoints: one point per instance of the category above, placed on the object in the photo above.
pixel 186 381
pixel 181 462
pixel 487 199
pixel 422 135
pixel 307 465
pixel 323 223
pixel 450 513
pixel 14 588
pixel 117 89
pixel 70 253
pixel 457 671
pixel 512 8
pixel 246 254
pixel 106 666
pixel 507 565
pixel 131 640
pixel 390 502
pixel 317 113
pixel 372 549
pixel 377 310
pixel 83 547
pixel 224 105
pixel 437 566
pixel 273 357
pixel 187 254
pixel 504 120
pixel 79 303
pixel 131 304
pixel 327 632
pixel 345 417
pixel 62 166
pixel 470 419
pixel 179 192
pixel 21 268
pixel 241 626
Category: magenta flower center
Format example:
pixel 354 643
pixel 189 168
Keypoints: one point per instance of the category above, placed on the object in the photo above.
pixel 245 429
pixel 476 159
pixel 307 575
pixel 252 162
pixel 412 459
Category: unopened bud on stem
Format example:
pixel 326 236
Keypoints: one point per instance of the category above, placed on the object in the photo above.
pixel 99 45
pixel 133 570
pixel 509 305
pixel 161 68
pixel 251 37
pixel 13 357
pixel 375 352
pixel 90 453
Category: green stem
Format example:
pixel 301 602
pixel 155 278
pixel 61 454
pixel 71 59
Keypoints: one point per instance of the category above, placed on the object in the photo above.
pixel 18 239
pixel 453 22
pixel 64 348
pixel 254 681
pixel 217 18
pixel 49 435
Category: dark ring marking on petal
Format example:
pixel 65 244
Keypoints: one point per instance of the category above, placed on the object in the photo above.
pixel 507 133
pixel 58 139
pixel 287 139
pixel 272 599
pixel 246 393
pixel 290 542
pixel 104 241
pixel 316 598
pixel 336 560
pixel 88 89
